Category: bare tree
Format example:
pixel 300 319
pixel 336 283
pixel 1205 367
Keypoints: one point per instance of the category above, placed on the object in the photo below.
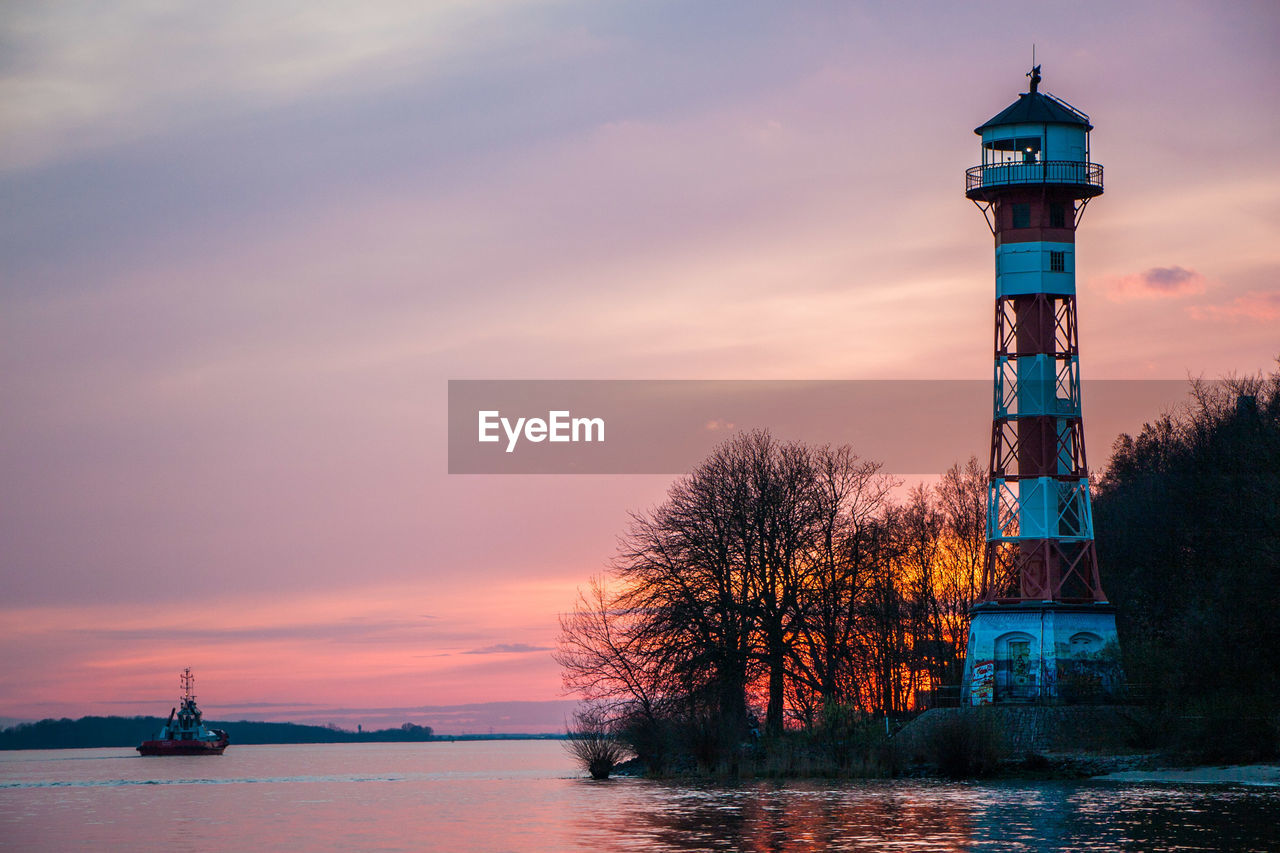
pixel 601 657
pixel 828 655
pixel 684 567
pixel 923 577
pixel 784 513
pixel 962 500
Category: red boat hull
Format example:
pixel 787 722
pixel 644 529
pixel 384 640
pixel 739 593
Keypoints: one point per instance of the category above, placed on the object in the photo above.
pixel 182 747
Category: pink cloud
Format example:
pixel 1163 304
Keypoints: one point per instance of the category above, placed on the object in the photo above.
pixel 1155 283
pixel 1254 305
pixel 508 649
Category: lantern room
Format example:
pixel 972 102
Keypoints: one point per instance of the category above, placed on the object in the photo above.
pixel 1039 139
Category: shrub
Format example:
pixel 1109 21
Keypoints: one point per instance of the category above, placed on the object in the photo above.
pixel 594 744
pixel 650 739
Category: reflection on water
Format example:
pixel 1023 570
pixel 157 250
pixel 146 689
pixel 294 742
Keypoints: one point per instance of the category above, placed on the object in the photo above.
pixel 918 815
pixel 525 796
pixel 799 817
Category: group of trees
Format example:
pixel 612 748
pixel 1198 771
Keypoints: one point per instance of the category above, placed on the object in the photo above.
pixel 782 578
pixel 1188 531
pixel 785 581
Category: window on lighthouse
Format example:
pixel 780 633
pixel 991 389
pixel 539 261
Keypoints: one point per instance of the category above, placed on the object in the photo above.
pixel 1022 216
pixel 1057 262
pixel 1057 215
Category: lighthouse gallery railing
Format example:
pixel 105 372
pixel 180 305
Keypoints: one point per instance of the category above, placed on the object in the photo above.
pixel 1043 172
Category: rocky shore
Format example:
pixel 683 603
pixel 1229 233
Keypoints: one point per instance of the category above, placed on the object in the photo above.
pixel 1109 743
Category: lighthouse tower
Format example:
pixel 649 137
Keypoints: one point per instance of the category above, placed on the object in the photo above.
pixel 1042 629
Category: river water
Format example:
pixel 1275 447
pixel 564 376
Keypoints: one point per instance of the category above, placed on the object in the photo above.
pixel 527 796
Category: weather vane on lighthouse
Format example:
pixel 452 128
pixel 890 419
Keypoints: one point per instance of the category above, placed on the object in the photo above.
pixel 1042 629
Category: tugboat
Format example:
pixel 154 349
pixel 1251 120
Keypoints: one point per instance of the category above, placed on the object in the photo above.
pixel 184 733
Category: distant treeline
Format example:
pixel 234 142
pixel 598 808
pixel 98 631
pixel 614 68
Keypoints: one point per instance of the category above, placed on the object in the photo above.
pixel 89 732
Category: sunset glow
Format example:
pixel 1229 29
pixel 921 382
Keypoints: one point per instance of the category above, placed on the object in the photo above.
pixel 244 252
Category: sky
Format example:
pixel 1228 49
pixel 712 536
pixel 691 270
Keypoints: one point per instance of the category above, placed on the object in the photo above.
pixel 244 246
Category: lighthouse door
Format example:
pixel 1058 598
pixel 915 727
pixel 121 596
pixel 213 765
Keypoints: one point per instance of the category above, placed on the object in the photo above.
pixel 1021 684
pixel 1015 677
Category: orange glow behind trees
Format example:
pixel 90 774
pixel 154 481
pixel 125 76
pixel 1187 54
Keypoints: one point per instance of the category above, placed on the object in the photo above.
pixel 783 583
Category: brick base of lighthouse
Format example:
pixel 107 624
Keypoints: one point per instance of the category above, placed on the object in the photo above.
pixel 1042 652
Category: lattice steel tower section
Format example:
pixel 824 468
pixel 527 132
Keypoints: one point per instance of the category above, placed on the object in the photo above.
pixel 1042 629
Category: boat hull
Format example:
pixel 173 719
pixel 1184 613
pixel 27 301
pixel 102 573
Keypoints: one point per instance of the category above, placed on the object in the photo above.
pixel 182 747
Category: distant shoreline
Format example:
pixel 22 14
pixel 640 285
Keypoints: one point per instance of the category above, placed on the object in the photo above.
pixel 108 732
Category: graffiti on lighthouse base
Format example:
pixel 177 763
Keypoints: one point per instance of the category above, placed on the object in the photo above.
pixel 982 687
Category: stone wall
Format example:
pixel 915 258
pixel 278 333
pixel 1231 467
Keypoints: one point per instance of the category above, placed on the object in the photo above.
pixel 1034 728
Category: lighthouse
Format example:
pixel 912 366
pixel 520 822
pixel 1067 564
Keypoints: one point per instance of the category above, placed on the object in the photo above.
pixel 1042 629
